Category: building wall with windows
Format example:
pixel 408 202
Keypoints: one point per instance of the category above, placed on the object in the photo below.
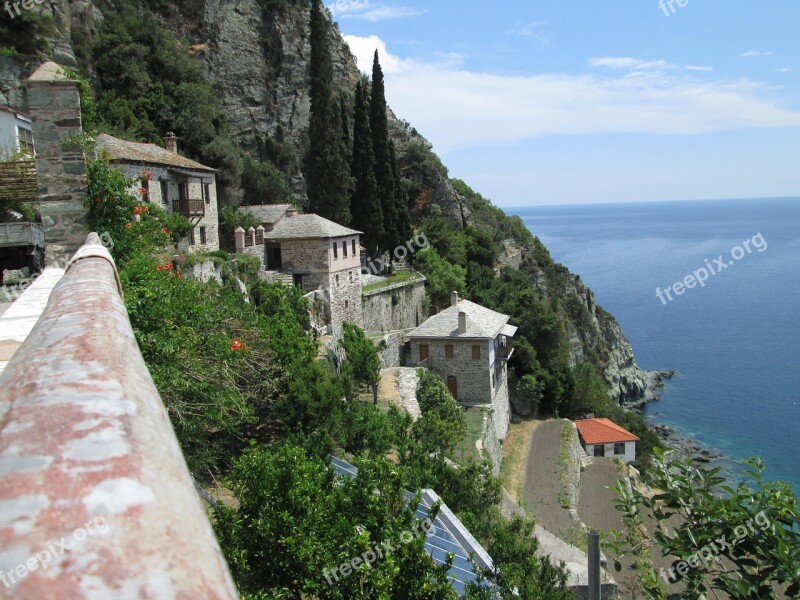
pixel 15 132
pixel 172 190
pixel 623 450
pixel 471 372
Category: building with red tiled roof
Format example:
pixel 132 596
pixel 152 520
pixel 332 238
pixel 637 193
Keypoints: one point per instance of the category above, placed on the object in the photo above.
pixel 602 437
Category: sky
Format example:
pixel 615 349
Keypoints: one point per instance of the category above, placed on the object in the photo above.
pixel 562 102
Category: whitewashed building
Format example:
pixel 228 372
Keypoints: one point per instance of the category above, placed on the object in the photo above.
pixel 15 132
pixel 603 438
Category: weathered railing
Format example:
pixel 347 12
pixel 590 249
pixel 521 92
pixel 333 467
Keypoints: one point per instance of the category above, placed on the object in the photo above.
pixel 192 207
pixel 95 497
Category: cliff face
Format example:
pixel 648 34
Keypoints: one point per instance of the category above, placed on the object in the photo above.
pixel 259 61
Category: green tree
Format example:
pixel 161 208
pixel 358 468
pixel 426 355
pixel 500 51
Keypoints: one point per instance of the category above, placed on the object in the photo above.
pixel 363 364
pixel 384 172
pixel 404 229
pixel 365 204
pixel 295 524
pixel 743 540
pixel 443 277
pixel 263 183
pixel 327 168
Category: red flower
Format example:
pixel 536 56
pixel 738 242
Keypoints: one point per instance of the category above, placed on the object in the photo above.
pixel 98 200
pixel 158 268
pixel 128 225
pixel 137 210
pixel 146 209
pixel 143 191
pixel 237 345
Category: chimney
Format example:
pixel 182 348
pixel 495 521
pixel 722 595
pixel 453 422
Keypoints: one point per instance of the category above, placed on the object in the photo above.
pixel 453 298
pixel 171 143
pixel 462 322
pixel 291 212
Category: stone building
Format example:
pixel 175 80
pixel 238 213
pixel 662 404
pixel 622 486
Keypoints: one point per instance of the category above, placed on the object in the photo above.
pixel 174 182
pixel 316 253
pixel 469 346
pixel 54 106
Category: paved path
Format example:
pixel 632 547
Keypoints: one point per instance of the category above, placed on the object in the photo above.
pixel 18 319
pixel 542 485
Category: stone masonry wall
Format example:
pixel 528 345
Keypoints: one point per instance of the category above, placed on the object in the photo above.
pixel 501 406
pixel 344 297
pixel 472 374
pixel 211 218
pixel 55 110
pixel 395 309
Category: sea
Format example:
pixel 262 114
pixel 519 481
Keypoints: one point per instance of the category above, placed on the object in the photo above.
pixel 734 338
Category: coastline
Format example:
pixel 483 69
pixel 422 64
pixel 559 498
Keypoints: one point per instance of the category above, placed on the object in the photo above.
pixel 703 455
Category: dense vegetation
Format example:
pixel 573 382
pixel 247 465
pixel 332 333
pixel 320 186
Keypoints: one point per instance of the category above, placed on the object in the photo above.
pixel 251 403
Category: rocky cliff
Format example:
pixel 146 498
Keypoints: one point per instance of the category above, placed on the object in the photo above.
pixel 258 57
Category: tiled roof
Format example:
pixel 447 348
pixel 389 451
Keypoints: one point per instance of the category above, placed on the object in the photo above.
pixel 447 536
pixel 137 152
pixel 482 323
pixel 267 213
pixel 603 431
pixel 302 227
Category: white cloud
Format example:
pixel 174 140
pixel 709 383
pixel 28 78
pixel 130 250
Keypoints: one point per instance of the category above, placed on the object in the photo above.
pixel 785 70
pixel 363 10
pixel 638 64
pixel 534 30
pixel 456 108
pixel 754 53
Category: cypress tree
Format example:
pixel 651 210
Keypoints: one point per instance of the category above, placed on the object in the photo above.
pixel 404 229
pixel 327 168
pixel 384 174
pixel 365 205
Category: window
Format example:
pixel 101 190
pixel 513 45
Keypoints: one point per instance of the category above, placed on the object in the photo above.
pixel 207 192
pixel 337 280
pixel 354 248
pixel 347 303
pixel 144 186
pixel 476 351
pixel 619 449
pixel 351 277
pixel 600 450
pixel 183 191
pixel 344 249
pixel 335 250
pixel 191 237
pixel 448 351
pixel 202 235
pixel 423 352
pixel 25 140
pixel 164 192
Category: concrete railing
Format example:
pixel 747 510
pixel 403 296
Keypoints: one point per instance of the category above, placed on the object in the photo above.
pixel 95 497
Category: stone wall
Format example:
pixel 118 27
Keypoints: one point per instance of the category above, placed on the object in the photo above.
pixel 344 297
pixel 210 219
pixel 397 307
pixel 501 405
pixel 490 440
pixel 392 356
pixel 472 374
pixel 54 104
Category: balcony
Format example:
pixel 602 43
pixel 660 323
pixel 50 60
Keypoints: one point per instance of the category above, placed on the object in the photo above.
pixel 192 207
pixel 504 352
